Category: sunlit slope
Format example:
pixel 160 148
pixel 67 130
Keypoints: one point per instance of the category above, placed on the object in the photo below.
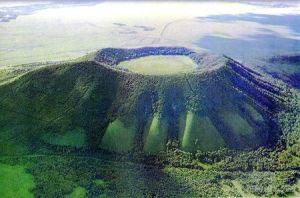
pixel 201 134
pixel 91 105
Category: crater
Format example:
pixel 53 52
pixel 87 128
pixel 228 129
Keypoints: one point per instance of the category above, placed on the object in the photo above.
pixel 202 101
pixel 159 60
pixel 159 65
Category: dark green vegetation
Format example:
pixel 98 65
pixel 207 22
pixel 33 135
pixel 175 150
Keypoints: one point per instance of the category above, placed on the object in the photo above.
pixel 86 128
pixel 284 67
pixel 104 176
pixel 56 176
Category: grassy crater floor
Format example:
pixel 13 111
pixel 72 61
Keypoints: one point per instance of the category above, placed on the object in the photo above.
pixel 159 65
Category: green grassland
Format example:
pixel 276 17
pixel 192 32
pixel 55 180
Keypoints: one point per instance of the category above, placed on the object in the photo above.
pixel 15 182
pixel 159 65
pixel 23 42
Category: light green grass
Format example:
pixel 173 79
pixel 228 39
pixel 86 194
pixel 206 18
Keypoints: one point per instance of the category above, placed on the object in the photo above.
pixel 118 137
pixel 181 123
pixel 100 183
pixel 200 134
pixel 157 136
pixel 74 138
pixel 5 75
pixel 15 182
pixel 240 189
pixel 236 123
pixel 78 192
pixel 159 65
pixel 297 189
pixel 9 75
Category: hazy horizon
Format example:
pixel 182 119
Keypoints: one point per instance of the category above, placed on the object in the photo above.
pixel 32 31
